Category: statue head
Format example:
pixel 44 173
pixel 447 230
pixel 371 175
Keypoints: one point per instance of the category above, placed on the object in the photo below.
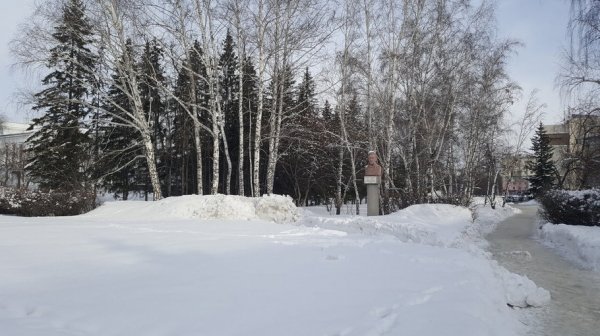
pixel 372 157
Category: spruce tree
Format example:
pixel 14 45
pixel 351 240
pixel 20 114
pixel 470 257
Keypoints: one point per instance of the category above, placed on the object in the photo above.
pixel 306 96
pixel 121 156
pixel 152 81
pixel 58 149
pixel 183 138
pixel 191 98
pixel 542 165
pixel 228 77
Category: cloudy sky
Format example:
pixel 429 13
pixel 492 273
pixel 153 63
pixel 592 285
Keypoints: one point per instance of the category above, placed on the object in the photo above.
pixel 539 24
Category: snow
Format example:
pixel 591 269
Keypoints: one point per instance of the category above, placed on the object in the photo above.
pixel 225 265
pixel 579 244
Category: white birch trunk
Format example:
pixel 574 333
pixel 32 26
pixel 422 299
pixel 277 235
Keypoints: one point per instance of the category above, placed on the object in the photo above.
pixel 261 74
pixel 228 159
pixel 241 186
pixel 115 42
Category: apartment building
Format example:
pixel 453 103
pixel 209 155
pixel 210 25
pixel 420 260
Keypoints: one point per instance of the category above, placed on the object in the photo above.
pixel 576 150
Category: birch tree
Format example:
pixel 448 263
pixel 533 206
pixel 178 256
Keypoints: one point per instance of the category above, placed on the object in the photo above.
pixel 114 22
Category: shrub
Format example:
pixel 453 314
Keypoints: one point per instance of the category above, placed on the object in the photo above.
pixel 37 203
pixel 571 207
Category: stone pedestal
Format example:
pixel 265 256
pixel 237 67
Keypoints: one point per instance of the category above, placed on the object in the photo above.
pixel 372 183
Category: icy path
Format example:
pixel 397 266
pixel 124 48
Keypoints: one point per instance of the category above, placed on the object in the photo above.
pixel 575 306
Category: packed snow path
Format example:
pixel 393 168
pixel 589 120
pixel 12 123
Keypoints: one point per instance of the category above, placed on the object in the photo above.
pixel 575 306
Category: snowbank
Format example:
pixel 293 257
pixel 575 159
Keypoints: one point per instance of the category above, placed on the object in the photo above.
pixel 487 218
pixel 275 208
pixel 445 225
pixel 431 224
pixel 519 290
pixel 580 244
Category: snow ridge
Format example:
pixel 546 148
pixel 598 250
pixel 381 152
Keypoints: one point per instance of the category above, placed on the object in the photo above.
pixel 273 208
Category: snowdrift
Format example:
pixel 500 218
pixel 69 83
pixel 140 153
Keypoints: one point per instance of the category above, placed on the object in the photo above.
pixel 430 224
pixel 274 208
pixel 580 244
pixel 445 225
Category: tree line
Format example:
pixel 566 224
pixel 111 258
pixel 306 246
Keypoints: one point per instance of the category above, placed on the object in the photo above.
pixel 246 97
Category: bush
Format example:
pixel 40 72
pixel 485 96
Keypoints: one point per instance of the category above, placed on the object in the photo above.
pixel 54 203
pixel 571 207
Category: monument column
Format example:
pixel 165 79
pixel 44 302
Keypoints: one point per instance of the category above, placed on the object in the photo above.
pixel 372 180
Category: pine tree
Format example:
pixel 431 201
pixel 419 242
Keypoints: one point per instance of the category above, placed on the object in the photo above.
pixel 59 149
pixel 542 166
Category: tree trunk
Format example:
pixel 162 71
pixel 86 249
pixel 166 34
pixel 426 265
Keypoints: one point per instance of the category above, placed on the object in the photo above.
pixel 261 75
pixel 228 158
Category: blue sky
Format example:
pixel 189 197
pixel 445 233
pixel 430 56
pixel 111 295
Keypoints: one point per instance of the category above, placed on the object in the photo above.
pixel 539 24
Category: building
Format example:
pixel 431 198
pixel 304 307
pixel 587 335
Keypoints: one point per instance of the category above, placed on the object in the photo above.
pixel 12 154
pixel 515 176
pixel 576 150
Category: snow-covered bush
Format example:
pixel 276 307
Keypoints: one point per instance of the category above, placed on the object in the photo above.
pixel 36 203
pixel 571 207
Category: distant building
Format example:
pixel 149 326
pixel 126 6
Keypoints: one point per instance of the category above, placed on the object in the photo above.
pixel 515 176
pixel 576 150
pixel 12 154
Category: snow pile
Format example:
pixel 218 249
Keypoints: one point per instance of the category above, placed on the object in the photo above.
pixel 484 220
pixel 580 244
pixel 487 218
pixel 430 224
pixel 520 291
pixel 275 208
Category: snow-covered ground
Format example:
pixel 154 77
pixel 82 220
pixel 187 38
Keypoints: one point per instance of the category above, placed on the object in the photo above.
pixel 579 244
pixel 217 265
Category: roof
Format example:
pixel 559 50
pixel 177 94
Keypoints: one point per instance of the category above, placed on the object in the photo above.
pixel 13 128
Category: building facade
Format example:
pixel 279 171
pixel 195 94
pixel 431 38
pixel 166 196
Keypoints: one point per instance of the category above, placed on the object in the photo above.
pixel 12 154
pixel 576 151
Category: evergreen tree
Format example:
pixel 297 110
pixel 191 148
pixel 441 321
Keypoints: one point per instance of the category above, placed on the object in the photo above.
pixel 250 108
pixel 306 96
pixel 542 166
pixel 183 137
pixel 190 89
pixel 326 112
pixel 121 156
pixel 59 150
pixel 228 77
pixel 152 80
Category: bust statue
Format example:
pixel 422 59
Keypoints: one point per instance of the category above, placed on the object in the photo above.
pixel 372 169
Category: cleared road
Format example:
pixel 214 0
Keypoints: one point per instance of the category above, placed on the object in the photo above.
pixel 575 306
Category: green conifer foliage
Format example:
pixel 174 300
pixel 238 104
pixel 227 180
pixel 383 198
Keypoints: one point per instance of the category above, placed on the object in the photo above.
pixel 58 150
pixel 120 153
pixel 542 166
